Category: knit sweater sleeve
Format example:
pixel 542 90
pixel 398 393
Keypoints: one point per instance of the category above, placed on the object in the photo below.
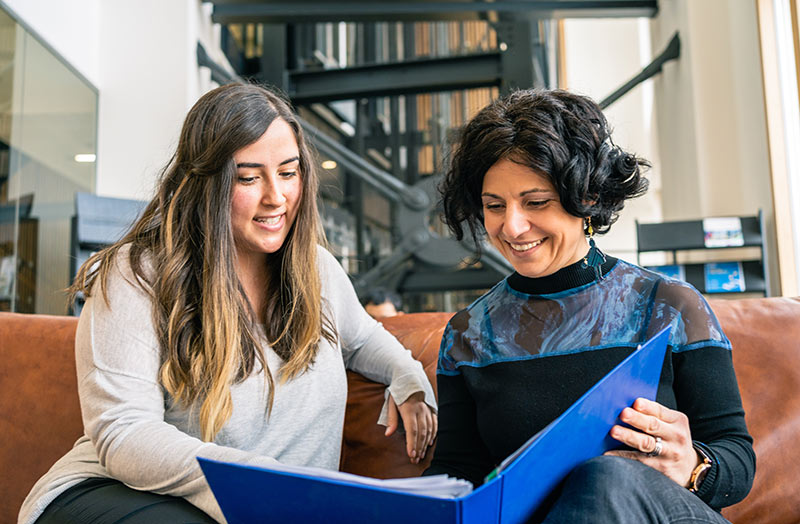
pixel 123 403
pixel 367 347
pixel 706 391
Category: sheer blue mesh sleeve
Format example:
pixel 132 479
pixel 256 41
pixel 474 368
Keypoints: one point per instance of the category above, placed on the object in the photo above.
pixel 693 323
pixel 623 310
pixel 446 364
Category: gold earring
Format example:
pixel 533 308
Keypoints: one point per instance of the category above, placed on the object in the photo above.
pixel 595 258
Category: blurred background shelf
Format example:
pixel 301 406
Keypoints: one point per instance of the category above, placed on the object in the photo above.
pixel 685 251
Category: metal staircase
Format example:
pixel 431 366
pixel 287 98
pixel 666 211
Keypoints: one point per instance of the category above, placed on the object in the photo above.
pixel 383 88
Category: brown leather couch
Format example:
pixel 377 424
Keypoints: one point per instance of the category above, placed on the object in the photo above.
pixel 40 415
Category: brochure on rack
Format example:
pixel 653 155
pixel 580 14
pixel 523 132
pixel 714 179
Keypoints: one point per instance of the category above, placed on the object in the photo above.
pixel 723 232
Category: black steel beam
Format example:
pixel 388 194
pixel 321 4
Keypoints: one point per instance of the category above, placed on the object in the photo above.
pixel 412 148
pixel 403 78
pixel 381 181
pixel 219 74
pixel 672 52
pixel 524 63
pixel 274 56
pixel 394 140
pixel 254 11
pixel 420 280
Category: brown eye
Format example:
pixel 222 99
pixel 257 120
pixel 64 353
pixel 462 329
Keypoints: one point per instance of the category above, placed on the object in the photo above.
pixel 537 203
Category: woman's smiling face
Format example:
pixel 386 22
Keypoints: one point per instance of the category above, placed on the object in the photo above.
pixel 266 193
pixel 524 220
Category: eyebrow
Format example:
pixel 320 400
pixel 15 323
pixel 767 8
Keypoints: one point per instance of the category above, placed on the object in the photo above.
pixel 258 165
pixel 527 192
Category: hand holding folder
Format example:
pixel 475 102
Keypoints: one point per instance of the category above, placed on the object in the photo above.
pixel 512 493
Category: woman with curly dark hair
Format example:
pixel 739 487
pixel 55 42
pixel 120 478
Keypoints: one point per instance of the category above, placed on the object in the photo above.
pixel 538 174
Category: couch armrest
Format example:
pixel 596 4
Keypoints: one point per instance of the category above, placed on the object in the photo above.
pixel 365 449
pixel 765 333
pixel 40 416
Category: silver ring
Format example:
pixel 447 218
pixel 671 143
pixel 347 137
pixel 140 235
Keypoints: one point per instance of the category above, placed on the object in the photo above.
pixel 656 450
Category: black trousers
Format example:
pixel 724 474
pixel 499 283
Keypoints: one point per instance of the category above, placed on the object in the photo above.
pixel 107 501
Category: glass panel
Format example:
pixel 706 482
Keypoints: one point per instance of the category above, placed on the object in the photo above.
pixel 53 120
pixel 8 206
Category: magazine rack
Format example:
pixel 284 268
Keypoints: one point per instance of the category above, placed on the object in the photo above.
pixel 690 235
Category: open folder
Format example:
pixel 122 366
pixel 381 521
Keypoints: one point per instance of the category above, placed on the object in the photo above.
pixel 519 486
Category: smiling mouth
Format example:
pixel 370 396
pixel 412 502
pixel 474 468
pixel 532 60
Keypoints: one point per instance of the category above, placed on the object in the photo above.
pixel 269 221
pixel 527 246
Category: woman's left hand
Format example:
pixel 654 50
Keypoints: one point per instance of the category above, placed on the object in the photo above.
pixel 419 421
pixel 677 458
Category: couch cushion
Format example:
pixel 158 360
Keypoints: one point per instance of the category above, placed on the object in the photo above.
pixel 38 362
pixel 765 334
pixel 40 418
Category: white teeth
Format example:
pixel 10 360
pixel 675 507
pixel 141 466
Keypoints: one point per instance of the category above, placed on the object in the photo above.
pixel 270 221
pixel 525 247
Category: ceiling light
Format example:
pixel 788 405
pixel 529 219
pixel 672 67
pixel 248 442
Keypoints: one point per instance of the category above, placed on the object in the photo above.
pixel 85 157
pixel 329 164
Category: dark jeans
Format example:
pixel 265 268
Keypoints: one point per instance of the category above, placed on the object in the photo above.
pixel 620 490
pixel 107 501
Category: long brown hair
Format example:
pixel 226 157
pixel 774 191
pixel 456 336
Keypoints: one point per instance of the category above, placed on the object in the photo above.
pixel 203 320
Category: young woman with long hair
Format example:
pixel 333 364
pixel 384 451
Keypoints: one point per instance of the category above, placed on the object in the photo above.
pixel 219 327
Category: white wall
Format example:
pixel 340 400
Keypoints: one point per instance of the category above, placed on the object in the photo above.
pixel 710 112
pixel 144 57
pixel 141 55
pixel 701 121
pixel 71 27
pixel 600 56
pixel 713 98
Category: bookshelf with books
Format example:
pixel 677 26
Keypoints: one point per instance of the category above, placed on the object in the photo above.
pixel 693 250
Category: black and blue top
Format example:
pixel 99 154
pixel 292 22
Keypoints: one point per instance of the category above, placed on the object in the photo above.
pixel 521 354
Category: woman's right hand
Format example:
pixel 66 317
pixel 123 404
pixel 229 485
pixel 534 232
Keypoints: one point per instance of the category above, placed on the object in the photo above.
pixel 419 421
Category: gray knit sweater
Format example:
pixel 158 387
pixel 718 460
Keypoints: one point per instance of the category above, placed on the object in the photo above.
pixel 135 433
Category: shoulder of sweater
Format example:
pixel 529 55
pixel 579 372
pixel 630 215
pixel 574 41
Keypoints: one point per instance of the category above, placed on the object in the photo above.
pixel 330 269
pixel 123 279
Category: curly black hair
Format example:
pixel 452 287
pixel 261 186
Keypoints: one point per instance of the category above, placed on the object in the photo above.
pixel 560 135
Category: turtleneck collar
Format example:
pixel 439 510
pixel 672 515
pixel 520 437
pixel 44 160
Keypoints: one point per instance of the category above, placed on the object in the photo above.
pixel 567 277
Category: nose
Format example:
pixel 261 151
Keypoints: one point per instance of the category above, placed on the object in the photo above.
pixel 272 192
pixel 515 223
